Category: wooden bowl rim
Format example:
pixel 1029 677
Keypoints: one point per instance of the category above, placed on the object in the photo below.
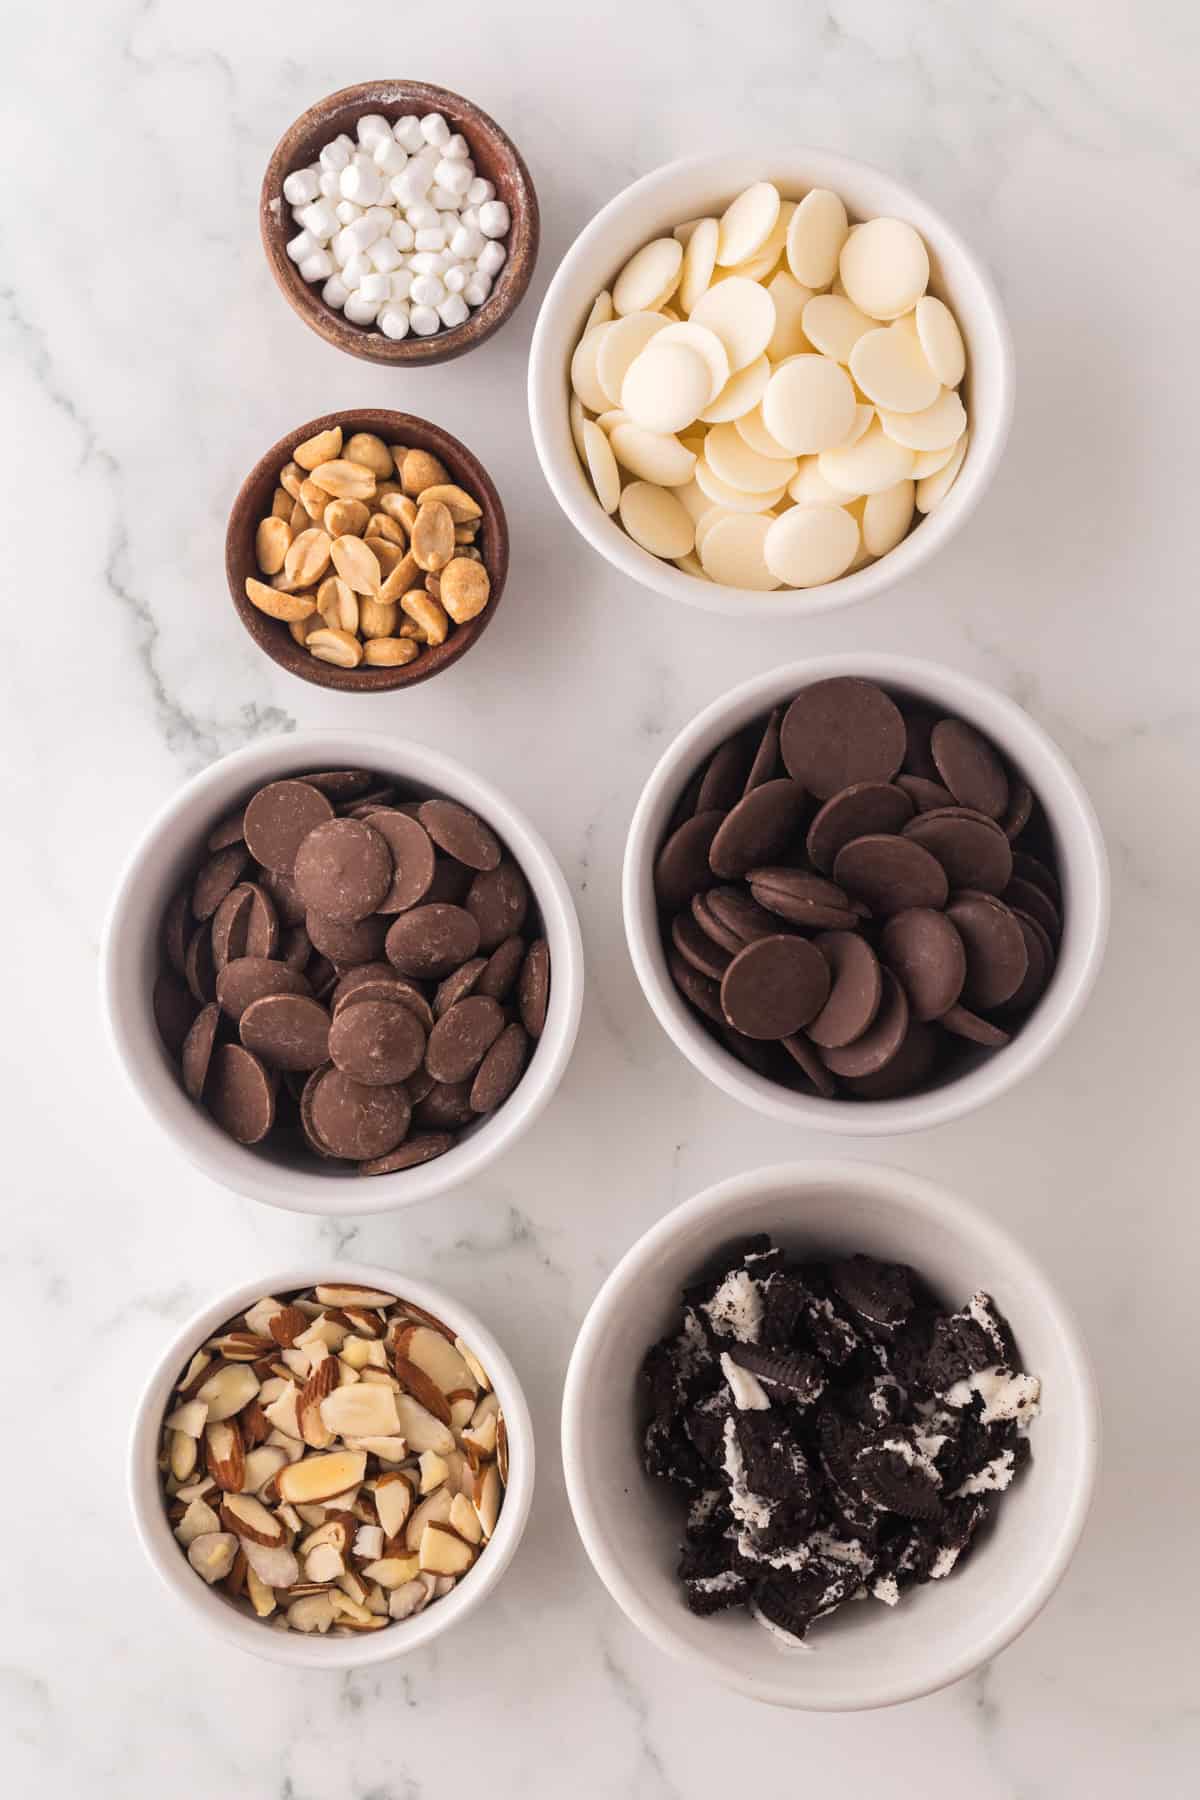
pixel 272 635
pixel 305 300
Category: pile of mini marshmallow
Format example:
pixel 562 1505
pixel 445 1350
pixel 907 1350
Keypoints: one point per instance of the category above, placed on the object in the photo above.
pixel 399 228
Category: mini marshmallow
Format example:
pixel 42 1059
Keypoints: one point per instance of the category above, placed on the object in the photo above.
pixel 360 311
pixel 302 187
pixel 479 191
pixel 424 321
pixel 343 247
pixel 336 155
pixel 372 129
pixel 467 243
pixel 393 320
pixel 402 281
pixel 363 232
pixel 435 130
pixel 375 287
pixel 347 211
pixel 422 216
pixel 455 279
pixel 428 262
pixel 442 198
pixel 453 310
pixel 477 289
pixel 303 245
pixel 335 293
pixel 318 266
pixel 491 259
pixel 470 216
pixel 493 218
pixel 328 184
pixel 384 256
pixel 432 238
pixel 320 219
pixel 388 156
pixel 402 234
pixel 455 177
pixel 457 148
pixel 354 269
pixel 427 290
pixel 407 133
pixel 361 182
pixel 412 184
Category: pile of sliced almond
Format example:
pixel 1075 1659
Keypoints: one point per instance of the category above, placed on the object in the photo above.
pixel 335 1460
pixel 369 552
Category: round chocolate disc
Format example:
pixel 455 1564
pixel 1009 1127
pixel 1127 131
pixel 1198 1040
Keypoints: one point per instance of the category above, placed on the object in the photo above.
pixel 356 1121
pixel 199 964
pixel 1041 966
pixel 1020 808
pixel 890 874
pixel 919 722
pixel 289 907
pixel 703 994
pixel 460 833
pixel 859 811
pixel 458 985
pixel 840 732
pixel 910 1068
pixel 230 925
pixel 295 947
pixel 262 926
pixel 388 986
pixel 878 1045
pixel 288 1031
pixel 969 767
pixel 803 899
pixel 925 795
pixel 697 948
pixel 926 955
pixel 431 940
pixel 500 1070
pixel 231 830
pixel 809 1063
pixel 377 1042
pixel 450 884
pixel 342 785
pixel 462 1038
pixel 178 925
pixel 422 1147
pixel 734 912
pixel 756 1054
pixel 774 986
pixel 343 870
pixel 855 995
pixel 251 978
pixel 765 766
pixel 347 944
pixel 174 1010
pixel 215 879
pixel 446 1107
pixel 681 868
pixel 197 1049
pixel 725 776
pixel 279 818
pixel 997 959
pixel 974 852
pixel 1031 868
pixel 503 967
pixel 759 829
pixel 413 859
pixel 966 1024
pixel 498 900
pixel 239 1093
pixel 533 987
pixel 1034 900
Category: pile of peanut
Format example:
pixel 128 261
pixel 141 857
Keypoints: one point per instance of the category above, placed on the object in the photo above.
pixel 368 554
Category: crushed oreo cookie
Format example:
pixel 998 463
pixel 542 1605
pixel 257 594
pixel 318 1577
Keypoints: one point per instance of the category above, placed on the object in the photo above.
pixel 833 1432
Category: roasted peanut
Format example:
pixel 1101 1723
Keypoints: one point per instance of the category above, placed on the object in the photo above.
pixel 319 449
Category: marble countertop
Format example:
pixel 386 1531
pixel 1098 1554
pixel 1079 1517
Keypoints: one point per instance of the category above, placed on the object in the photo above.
pixel 147 360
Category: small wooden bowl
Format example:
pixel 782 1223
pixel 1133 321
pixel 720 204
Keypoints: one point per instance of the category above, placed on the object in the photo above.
pixel 496 159
pixel 254 503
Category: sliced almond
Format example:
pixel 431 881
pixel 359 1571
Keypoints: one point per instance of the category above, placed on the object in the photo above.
pixel 393 1571
pixel 289 607
pixel 487 1497
pixel 324 1563
pixel 351 1612
pixel 198 1521
pixel 465 1519
pixel 342 479
pixel 443 1552
pixel 356 564
pixel 423 1411
pixel 212 1554
pixel 262 1466
pixel 365 1321
pixel 249 1518
pixel 194 1374
pixel 458 503
pixel 339 647
pixel 433 1511
pixel 371 451
pixel 284 1413
pixel 314 1612
pixel 502 1449
pixel 405 1601
pixel 393 1503
pixel 271 542
pixel 430 1351
pixel 309 1408
pixel 462 1406
pixel 308 556
pixel 297 1362
pixel 183 1453
pixel 482 1437
pixel 366 1409
pixel 319 1478
pixel 346 1293
pixel 190 1418
pixel 225 1455
pixel 387 1449
pixel 256 1427
pixel 261 1597
pixel 432 540
pixel 434 1470
pixel 242 1346
pixel 368 1543
pixel 352 1587
pixel 287 1325
pixel 316 450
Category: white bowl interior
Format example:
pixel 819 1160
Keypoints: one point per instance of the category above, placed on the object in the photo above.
pixel 868 1654
pixel 219 1614
pixel 172 846
pixel 704 185
pixel 1082 866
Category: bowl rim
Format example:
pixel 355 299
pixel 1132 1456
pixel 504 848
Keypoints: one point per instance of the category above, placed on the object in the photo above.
pixel 919 1196
pixel 365 343
pixel 460 462
pixel 294 1190
pixel 1045 1029
pixel 170 1564
pixel 986 447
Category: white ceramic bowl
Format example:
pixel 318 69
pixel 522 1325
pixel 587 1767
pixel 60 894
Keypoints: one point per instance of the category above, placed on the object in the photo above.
pixel 1083 869
pixel 869 1655
pixel 704 185
pixel 207 1606
pixel 169 848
